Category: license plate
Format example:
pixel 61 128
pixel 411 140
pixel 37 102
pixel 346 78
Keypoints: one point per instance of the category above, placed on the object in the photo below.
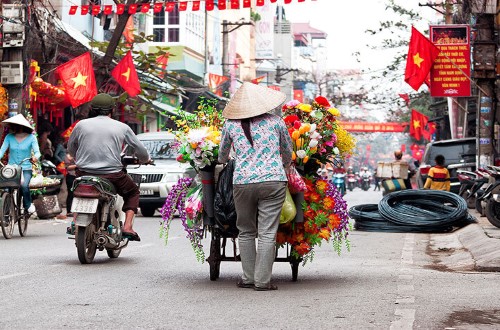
pixel 84 205
pixel 146 192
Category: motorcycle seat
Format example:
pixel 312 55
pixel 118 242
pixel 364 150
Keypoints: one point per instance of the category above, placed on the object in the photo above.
pixel 104 183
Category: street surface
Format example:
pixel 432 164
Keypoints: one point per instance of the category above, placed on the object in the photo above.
pixel 386 281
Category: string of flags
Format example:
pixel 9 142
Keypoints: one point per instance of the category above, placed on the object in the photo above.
pixel 169 6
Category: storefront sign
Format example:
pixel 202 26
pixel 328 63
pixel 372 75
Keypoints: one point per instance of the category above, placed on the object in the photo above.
pixel 451 71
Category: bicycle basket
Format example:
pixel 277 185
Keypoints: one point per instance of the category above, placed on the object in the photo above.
pixel 10 176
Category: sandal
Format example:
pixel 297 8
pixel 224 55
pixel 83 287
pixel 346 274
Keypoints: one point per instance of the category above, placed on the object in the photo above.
pixel 241 284
pixel 132 236
pixel 270 287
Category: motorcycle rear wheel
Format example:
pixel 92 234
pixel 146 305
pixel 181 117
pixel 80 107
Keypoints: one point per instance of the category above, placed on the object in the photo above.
pixel 85 244
pixel 492 212
pixel 7 215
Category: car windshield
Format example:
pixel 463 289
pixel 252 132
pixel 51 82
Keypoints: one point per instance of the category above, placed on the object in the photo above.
pixel 454 153
pixel 161 149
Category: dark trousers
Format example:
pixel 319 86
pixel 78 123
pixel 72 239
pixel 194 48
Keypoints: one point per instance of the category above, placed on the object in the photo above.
pixel 124 185
pixel 69 198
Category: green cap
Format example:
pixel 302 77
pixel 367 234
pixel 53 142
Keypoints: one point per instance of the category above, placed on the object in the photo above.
pixel 103 101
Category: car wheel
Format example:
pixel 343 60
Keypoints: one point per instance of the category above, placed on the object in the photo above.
pixel 148 211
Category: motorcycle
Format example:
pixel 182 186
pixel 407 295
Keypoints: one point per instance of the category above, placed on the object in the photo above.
pixel 365 181
pixel 484 180
pixel 467 180
pixel 339 182
pixel 351 181
pixel 99 220
pixel 490 200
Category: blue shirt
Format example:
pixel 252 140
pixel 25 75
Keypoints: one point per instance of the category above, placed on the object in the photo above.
pixel 270 154
pixel 20 150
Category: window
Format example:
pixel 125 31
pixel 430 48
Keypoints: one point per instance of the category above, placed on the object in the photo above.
pixel 173 35
pixel 159 35
pixel 166 26
pixel 159 18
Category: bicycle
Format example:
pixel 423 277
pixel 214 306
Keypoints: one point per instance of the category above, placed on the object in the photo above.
pixel 11 200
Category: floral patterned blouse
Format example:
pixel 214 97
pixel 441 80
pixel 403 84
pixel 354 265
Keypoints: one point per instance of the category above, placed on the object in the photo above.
pixel 266 160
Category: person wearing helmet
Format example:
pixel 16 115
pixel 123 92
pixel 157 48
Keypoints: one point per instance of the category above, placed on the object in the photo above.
pixel 96 144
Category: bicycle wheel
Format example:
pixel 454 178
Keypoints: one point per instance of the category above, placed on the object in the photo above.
pixel 21 216
pixel 7 215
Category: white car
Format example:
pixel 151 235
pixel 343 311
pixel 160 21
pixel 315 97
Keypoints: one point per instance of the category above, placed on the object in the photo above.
pixel 157 180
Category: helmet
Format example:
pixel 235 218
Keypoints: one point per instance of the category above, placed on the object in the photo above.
pixel 102 104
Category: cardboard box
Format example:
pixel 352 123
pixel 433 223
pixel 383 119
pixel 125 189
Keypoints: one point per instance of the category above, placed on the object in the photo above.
pixel 392 170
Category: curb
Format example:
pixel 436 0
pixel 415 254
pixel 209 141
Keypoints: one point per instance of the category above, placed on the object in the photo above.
pixel 482 241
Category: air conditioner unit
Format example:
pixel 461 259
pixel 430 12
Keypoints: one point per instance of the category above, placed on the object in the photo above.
pixel 11 73
pixel 13 25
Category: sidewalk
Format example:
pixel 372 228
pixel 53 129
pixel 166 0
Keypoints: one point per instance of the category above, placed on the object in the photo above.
pixel 482 241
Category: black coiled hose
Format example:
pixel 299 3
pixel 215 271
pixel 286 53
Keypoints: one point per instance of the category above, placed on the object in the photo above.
pixel 423 211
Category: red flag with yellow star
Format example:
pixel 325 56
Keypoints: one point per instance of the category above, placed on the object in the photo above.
pixel 421 55
pixel 417 124
pixel 78 79
pixel 126 75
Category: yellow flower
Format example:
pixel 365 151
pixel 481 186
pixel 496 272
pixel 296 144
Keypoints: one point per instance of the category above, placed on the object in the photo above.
pixel 334 111
pixel 294 156
pixel 295 135
pixel 303 129
pixel 194 145
pixel 299 142
pixel 305 107
pixel 306 158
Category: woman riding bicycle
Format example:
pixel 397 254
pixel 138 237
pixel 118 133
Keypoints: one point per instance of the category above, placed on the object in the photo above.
pixel 22 144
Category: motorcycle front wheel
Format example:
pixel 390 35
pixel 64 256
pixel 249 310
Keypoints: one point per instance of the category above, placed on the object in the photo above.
pixel 492 212
pixel 85 243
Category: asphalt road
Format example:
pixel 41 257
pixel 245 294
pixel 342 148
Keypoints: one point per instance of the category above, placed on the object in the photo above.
pixel 386 281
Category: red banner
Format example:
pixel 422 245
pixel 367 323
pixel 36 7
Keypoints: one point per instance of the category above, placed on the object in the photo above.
pixel 451 71
pixel 372 127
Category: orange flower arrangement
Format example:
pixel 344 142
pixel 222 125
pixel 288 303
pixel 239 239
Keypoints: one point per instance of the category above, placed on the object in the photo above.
pixel 325 219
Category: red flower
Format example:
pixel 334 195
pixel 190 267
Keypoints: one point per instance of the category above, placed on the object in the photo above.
pixel 302 248
pixel 289 120
pixel 322 101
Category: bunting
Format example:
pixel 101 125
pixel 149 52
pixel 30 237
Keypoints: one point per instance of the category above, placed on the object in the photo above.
pixel 168 6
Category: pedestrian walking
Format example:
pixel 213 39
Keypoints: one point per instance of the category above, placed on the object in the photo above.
pixel 263 149
pixel 377 183
pixel 439 176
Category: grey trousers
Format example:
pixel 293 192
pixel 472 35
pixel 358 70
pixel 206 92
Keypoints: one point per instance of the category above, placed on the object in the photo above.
pixel 258 208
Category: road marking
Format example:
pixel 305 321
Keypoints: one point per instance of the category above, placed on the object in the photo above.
pixel 405 317
pixel 4 277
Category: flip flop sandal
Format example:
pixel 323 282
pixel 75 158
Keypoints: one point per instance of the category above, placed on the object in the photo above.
pixel 270 287
pixel 240 284
pixel 132 236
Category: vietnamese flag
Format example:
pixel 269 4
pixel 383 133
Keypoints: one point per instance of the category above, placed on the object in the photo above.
pixel 421 56
pixel 417 124
pixel 258 80
pixel 78 79
pixel 126 75
pixel 72 10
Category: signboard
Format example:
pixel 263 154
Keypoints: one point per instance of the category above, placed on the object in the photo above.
pixel 264 32
pixel 372 127
pixel 451 71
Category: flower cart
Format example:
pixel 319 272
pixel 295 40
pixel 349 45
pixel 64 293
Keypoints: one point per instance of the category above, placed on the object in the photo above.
pixel 319 210
pixel 44 191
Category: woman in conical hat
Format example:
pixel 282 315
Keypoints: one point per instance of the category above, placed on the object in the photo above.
pixel 22 144
pixel 262 150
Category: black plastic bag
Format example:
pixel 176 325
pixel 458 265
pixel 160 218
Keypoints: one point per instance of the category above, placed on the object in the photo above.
pixel 224 210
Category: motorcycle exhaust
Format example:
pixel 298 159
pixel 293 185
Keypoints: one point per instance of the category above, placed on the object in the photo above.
pixel 106 241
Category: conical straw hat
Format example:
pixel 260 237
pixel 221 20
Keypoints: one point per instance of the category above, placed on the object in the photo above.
pixel 18 120
pixel 251 100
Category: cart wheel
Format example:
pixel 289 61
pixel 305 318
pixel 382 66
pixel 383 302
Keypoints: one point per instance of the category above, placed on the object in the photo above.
pixel 214 258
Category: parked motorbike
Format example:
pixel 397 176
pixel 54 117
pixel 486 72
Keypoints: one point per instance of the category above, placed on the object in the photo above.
pixel 99 219
pixel 467 180
pixel 490 200
pixel 483 181
pixel 339 182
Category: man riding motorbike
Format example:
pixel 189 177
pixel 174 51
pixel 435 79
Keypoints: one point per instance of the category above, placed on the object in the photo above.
pixel 96 144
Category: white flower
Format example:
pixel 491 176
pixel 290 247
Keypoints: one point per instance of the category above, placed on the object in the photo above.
pixel 336 151
pixel 315 135
pixel 197 135
pixel 313 128
pixel 301 153
pixel 313 143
